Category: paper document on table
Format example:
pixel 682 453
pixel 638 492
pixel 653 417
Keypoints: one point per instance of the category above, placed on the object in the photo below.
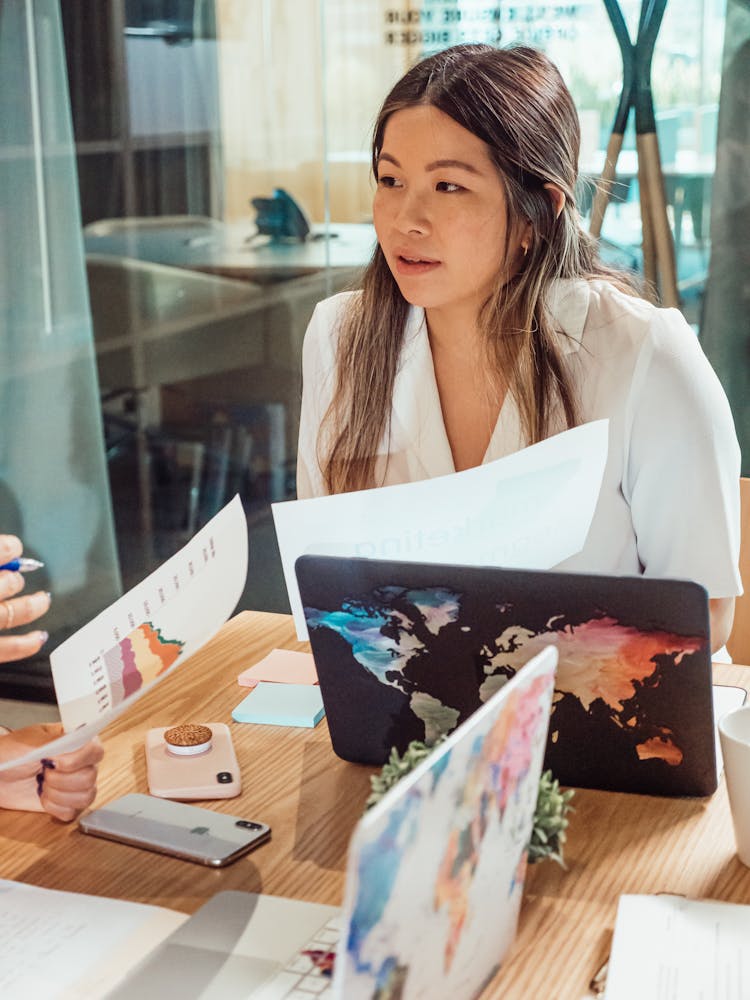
pixel 672 948
pixel 66 945
pixel 529 510
pixel 108 664
pixel 282 666
pixel 726 698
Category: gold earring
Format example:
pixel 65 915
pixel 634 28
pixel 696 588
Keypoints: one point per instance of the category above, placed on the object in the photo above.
pixel 525 248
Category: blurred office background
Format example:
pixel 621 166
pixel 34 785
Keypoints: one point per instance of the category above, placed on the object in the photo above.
pixel 184 179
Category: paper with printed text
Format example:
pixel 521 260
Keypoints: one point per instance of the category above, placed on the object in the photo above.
pixel 109 663
pixel 529 510
pixel 65 945
pixel 672 948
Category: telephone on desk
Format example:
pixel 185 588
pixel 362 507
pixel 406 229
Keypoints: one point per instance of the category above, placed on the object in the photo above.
pixel 280 217
pixel 283 220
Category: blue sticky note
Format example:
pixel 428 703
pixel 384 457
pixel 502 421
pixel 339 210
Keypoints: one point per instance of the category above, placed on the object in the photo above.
pixel 281 705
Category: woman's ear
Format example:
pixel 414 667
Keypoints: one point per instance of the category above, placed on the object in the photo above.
pixel 557 198
pixel 525 239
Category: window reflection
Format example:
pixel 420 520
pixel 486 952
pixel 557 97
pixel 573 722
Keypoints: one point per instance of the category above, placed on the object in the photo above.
pixel 190 116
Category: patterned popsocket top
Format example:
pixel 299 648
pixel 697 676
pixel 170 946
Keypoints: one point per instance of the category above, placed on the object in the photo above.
pixel 188 739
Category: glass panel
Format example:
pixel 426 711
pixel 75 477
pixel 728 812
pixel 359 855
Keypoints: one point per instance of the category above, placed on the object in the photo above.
pixel 92 74
pixel 54 486
pixel 223 152
pixel 201 278
pixel 369 44
pixel 725 331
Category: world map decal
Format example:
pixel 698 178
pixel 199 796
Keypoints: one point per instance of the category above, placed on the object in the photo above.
pixel 434 657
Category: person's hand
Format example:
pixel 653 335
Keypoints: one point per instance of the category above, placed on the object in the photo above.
pixel 18 610
pixel 63 786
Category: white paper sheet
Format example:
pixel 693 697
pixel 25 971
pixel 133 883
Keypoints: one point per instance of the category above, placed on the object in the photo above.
pixel 68 945
pixel 108 664
pixel 726 699
pixel 529 510
pixel 671 948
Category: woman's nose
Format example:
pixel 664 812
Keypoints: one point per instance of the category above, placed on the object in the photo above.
pixel 413 215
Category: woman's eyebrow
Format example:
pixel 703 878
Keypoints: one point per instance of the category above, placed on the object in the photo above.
pixel 436 164
pixel 460 164
pixel 391 159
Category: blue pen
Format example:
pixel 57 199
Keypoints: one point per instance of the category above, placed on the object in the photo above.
pixel 22 565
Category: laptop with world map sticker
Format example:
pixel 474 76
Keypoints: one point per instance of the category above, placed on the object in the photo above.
pixel 407 651
pixel 434 882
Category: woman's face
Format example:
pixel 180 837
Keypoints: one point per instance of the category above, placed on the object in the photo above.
pixel 440 211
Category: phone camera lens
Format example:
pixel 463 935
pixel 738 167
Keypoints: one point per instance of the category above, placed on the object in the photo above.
pixel 247 824
pixel 224 777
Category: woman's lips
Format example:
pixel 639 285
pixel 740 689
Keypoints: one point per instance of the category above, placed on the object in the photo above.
pixel 415 265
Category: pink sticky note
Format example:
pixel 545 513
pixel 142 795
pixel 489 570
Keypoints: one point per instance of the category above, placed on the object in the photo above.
pixel 282 666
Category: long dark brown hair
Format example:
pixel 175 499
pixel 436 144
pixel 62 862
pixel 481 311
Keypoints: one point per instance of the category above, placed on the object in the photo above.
pixel 516 102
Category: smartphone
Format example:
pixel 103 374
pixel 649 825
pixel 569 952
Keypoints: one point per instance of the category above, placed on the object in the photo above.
pixel 183 831
pixel 213 774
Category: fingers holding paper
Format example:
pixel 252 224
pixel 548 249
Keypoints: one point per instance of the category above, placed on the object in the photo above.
pixel 10 548
pixel 19 610
pixel 70 786
pixel 15 611
pixel 63 786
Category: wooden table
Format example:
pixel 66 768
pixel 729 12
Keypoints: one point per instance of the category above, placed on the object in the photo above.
pixel 292 780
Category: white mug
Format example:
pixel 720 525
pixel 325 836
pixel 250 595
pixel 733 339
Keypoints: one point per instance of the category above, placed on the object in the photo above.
pixel 734 733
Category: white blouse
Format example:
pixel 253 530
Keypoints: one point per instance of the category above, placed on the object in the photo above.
pixel 669 501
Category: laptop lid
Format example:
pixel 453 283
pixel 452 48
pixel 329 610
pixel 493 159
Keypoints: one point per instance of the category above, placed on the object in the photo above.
pixel 407 650
pixel 436 869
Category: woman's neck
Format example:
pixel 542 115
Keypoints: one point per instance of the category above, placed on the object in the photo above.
pixel 470 400
pixel 453 331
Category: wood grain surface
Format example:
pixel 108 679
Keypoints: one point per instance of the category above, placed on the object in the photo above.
pixel 292 780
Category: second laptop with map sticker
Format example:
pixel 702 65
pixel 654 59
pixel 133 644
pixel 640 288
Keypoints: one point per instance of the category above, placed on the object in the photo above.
pixel 407 650
pixel 433 887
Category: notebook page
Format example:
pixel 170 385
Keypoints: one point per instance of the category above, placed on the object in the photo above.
pixel 672 948
pixel 68 945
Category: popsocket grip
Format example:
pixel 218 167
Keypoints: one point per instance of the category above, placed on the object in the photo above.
pixel 187 740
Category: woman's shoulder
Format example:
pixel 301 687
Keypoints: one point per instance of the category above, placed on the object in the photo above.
pixel 653 349
pixel 609 317
pixel 322 330
pixel 328 313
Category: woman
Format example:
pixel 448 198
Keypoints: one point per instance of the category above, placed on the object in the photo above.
pixel 486 323
pixel 62 786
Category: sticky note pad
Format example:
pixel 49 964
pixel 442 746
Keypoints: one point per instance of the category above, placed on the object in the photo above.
pixel 282 666
pixel 281 705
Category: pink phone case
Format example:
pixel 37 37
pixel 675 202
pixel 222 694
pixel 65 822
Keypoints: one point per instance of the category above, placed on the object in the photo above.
pixel 213 774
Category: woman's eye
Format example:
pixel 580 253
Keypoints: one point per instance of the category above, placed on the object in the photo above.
pixel 448 186
pixel 385 180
